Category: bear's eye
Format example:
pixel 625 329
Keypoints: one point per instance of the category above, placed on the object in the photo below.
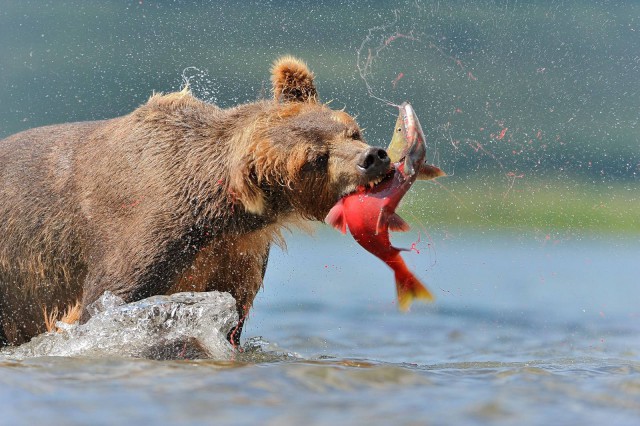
pixel 355 135
pixel 321 161
pixel 317 163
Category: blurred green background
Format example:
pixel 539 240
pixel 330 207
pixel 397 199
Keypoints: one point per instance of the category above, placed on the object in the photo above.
pixel 532 107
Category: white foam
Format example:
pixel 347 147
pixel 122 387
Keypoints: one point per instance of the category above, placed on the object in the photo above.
pixel 183 325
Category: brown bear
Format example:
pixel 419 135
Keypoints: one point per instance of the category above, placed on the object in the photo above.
pixel 179 195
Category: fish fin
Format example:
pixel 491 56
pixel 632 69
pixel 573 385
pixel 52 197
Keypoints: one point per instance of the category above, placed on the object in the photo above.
pixel 335 217
pixel 383 220
pixel 396 223
pixel 429 171
pixel 409 288
pixel 408 170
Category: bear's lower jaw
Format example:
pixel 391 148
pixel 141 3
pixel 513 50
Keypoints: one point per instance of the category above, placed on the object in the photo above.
pixel 349 190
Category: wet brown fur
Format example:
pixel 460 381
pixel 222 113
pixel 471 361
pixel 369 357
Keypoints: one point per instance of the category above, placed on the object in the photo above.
pixel 177 195
pixel 71 315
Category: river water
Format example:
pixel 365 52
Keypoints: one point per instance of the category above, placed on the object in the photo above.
pixel 526 330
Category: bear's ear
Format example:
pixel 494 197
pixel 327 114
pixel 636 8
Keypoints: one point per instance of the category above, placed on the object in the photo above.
pixel 292 81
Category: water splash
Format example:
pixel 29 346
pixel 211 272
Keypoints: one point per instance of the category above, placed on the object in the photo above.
pixel 202 86
pixel 181 326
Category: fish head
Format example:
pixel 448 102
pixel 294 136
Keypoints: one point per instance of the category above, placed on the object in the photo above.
pixel 416 149
pixel 397 149
pixel 408 146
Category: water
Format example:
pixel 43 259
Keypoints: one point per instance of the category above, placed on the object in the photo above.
pixel 525 330
pixel 182 325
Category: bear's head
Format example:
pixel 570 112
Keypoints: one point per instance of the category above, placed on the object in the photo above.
pixel 304 154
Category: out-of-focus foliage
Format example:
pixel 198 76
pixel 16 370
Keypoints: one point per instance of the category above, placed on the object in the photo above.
pixel 537 89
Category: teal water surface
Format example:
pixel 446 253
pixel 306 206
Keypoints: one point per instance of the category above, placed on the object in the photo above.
pixel 525 330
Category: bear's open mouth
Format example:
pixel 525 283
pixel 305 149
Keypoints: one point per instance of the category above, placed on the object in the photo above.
pixel 369 185
pixel 373 183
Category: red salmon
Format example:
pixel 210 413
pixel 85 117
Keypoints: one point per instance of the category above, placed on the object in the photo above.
pixel 369 213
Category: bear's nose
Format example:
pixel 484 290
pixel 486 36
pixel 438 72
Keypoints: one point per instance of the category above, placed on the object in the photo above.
pixel 374 161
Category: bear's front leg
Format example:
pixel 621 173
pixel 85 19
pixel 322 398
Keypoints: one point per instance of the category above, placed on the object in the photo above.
pixel 237 265
pixel 256 277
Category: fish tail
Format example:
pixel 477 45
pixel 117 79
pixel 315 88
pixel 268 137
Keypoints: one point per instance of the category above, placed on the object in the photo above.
pixel 409 286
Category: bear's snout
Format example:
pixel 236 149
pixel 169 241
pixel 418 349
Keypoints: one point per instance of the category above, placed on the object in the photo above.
pixel 374 162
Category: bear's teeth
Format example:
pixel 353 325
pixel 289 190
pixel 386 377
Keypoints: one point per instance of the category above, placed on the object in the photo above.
pixel 375 182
